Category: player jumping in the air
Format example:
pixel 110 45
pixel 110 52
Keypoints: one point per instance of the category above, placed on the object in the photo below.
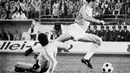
pixel 76 31
pixel 81 24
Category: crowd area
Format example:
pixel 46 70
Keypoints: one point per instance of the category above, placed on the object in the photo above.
pixel 12 36
pixel 23 9
pixel 70 8
pixel 106 32
pixel 18 9
pixel 116 33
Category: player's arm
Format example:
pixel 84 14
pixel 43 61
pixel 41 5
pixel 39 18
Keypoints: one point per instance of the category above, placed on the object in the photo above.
pixel 89 18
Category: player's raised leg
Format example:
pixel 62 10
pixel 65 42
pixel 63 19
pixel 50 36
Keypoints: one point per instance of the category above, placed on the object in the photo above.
pixel 64 37
pixel 61 45
pixel 94 47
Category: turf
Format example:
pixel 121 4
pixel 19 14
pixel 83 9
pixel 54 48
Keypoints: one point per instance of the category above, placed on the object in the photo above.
pixel 70 63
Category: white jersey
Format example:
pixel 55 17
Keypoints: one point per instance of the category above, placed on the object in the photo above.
pixel 85 10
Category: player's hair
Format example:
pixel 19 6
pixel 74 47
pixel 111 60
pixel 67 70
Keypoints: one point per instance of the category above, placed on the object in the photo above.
pixel 43 39
pixel 90 1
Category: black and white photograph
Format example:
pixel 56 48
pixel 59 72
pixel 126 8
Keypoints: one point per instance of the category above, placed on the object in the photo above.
pixel 65 36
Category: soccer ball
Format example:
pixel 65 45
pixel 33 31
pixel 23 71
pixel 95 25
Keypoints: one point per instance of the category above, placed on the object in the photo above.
pixel 107 67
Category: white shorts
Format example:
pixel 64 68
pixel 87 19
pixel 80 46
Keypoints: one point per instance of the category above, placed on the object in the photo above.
pixel 76 31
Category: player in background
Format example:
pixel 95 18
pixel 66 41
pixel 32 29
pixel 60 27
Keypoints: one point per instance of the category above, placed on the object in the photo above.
pixel 22 67
pixel 43 40
pixel 48 52
pixel 46 60
pixel 77 30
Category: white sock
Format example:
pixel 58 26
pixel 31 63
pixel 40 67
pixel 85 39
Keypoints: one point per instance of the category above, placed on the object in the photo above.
pixel 91 51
